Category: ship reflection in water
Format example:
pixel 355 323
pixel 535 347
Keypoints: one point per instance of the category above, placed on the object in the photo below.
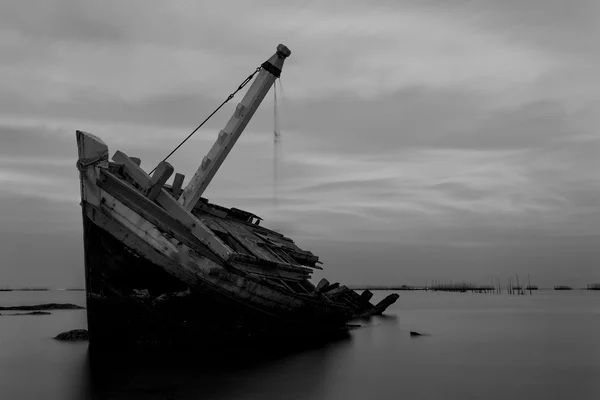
pixel 478 346
pixel 261 373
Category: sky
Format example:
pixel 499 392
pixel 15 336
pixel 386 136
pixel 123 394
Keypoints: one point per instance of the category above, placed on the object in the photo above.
pixel 430 140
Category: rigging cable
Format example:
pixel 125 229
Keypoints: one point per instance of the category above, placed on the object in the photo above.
pixel 244 83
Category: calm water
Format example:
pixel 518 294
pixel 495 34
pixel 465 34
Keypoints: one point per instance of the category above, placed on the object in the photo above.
pixel 545 346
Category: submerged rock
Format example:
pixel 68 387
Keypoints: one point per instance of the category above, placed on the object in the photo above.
pixel 73 335
pixel 50 306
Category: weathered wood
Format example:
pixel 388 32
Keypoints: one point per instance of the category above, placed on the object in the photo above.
pixel 91 148
pixel 178 250
pixel 133 170
pixel 236 288
pixel 92 152
pixel 204 208
pixel 177 184
pixel 366 295
pixel 162 173
pixel 242 237
pixel 323 283
pixel 330 287
pixel 337 291
pixel 113 187
pixel 133 241
pixel 357 300
pixel 234 128
pixel 381 306
pixel 153 213
pixel 270 273
pixel 175 209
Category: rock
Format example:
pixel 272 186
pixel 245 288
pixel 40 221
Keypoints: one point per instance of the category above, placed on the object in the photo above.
pixel 50 306
pixel 73 335
pixel 33 313
pixel 413 333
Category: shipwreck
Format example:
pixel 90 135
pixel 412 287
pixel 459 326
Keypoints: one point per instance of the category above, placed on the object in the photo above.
pixel 164 266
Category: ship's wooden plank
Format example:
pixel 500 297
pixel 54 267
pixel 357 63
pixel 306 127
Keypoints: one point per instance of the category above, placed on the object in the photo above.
pixel 330 287
pixel 175 209
pixel 357 300
pixel 274 299
pixel 272 273
pixel 245 255
pixel 159 178
pixel 366 295
pixel 136 244
pixel 381 306
pixel 237 232
pixel 203 208
pixel 337 291
pixel 177 184
pixel 245 238
pixel 322 285
pixel 134 170
pixel 93 152
pixel 199 229
pixel 261 253
pixel 234 287
pixel 152 212
pixel 163 241
pixel 149 232
pixel 116 188
pixel 293 256
pixel 290 251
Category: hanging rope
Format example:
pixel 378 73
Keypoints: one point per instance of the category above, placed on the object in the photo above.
pixel 276 139
pixel 244 83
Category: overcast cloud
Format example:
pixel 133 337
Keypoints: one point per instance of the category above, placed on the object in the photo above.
pixel 420 140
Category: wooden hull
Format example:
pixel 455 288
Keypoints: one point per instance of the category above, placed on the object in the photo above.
pixel 157 276
pixel 132 300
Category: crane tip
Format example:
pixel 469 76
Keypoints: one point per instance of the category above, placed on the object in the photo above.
pixel 283 51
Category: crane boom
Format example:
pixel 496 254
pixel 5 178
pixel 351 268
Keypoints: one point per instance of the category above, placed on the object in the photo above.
pixel 271 70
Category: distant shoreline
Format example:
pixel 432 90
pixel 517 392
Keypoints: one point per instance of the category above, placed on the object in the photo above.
pixel 40 290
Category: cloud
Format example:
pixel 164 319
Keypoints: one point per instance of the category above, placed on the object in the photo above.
pixel 96 48
pixel 463 127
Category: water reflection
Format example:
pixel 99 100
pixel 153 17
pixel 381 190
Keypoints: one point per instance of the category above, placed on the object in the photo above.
pixel 302 372
pixel 493 347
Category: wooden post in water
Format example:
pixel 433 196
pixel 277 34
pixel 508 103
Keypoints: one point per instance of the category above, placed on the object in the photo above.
pixel 529 284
